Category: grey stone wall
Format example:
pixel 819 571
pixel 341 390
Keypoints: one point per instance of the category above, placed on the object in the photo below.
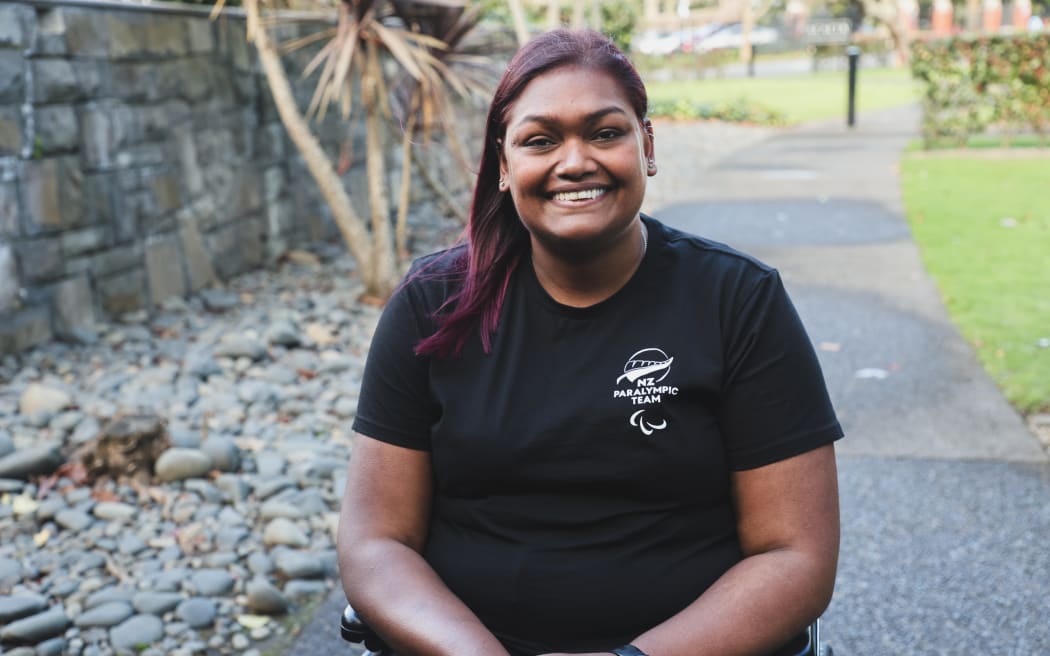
pixel 141 157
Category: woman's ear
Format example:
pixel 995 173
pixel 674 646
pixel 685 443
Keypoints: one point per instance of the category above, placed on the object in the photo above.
pixel 650 148
pixel 503 185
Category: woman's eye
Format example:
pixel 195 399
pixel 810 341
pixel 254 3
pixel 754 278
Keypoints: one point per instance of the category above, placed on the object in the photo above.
pixel 538 142
pixel 607 133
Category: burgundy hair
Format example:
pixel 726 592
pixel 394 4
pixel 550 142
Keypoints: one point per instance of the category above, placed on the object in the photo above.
pixel 496 239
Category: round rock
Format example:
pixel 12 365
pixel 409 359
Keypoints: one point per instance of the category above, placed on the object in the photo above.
pixel 36 628
pixel 178 464
pixel 137 632
pixel 224 453
pixel 105 616
pixel 15 607
pixel 284 531
pixel 265 599
pixel 156 603
pixel 40 398
pixel 197 612
pixel 299 565
pixel 212 582
pixel 34 461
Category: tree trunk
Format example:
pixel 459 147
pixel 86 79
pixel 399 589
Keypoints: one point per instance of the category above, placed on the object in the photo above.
pixel 350 225
pixel 401 235
pixel 517 14
pixel 384 270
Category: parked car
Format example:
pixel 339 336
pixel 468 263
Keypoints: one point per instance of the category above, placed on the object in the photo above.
pixel 657 43
pixel 732 36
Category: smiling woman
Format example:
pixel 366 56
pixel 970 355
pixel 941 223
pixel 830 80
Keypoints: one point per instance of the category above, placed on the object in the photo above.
pixel 582 430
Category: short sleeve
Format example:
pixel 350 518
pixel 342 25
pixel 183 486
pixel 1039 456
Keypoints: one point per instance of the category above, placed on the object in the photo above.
pixel 395 405
pixel 774 402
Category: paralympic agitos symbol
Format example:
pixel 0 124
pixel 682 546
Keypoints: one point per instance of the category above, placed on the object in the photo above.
pixel 646 369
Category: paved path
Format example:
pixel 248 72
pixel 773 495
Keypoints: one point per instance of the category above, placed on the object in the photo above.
pixel 945 494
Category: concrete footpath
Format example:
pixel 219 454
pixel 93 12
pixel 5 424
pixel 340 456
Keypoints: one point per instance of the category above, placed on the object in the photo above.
pixel 945 493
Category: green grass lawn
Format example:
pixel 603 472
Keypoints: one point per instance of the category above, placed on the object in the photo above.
pixel 983 226
pixel 801 97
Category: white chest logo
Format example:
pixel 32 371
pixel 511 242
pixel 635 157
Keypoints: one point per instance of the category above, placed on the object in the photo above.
pixel 645 370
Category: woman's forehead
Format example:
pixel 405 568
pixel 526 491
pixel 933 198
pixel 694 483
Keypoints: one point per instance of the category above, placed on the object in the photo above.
pixel 568 91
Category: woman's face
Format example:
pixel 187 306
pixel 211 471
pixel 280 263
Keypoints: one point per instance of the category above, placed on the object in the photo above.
pixel 575 159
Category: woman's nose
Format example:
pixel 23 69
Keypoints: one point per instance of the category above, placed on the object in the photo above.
pixel 576 160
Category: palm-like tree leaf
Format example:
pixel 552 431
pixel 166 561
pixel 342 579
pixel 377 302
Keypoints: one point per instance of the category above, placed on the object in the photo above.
pixel 303 41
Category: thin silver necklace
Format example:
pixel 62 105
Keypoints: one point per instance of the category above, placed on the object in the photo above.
pixel 645 239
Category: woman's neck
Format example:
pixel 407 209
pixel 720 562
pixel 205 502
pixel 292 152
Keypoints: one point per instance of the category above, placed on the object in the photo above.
pixel 582 280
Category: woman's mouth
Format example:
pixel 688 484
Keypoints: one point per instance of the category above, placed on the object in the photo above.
pixel 585 194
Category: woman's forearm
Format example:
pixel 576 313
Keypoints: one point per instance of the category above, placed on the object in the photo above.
pixel 756 606
pixel 394 589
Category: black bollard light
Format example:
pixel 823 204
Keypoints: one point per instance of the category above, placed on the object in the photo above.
pixel 853 53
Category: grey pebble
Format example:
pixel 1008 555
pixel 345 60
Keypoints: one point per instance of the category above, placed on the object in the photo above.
pixel 33 461
pixel 14 607
pixel 177 464
pixel 184 438
pixel 197 612
pixel 264 598
pixel 110 510
pixel 73 520
pixel 88 561
pixel 50 507
pixel 219 300
pixel 131 545
pixel 212 582
pixel 85 431
pixel 230 537
pixel 233 486
pixel 63 588
pixel 108 595
pixel 283 333
pixel 10 571
pixel 240 346
pixel 206 490
pixel 105 616
pixel 260 563
pixel 278 508
pixel 269 463
pixel 36 628
pixel 11 485
pixel 170 580
pixel 298 565
pixel 7 445
pixel 224 453
pixel 267 486
pixel 155 603
pixel 282 531
pixel 52 647
pixel 137 632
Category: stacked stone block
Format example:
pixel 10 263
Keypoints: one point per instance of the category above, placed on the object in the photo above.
pixel 141 157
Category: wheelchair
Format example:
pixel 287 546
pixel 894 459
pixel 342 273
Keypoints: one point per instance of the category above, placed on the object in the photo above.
pixel 355 631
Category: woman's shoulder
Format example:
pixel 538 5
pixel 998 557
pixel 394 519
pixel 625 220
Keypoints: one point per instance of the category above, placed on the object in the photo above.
pixel 708 255
pixel 433 278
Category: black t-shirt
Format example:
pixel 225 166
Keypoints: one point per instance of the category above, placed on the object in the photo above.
pixel 582 468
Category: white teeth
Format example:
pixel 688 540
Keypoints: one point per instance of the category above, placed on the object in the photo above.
pixel 579 195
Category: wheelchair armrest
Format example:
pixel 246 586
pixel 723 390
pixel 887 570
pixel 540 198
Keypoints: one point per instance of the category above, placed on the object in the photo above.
pixel 354 630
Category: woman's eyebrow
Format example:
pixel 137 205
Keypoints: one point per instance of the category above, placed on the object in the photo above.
pixel 551 120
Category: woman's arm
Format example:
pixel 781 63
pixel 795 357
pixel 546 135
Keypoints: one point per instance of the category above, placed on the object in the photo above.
pixel 788 522
pixel 382 529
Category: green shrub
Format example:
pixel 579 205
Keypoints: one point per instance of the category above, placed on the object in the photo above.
pixel 972 84
pixel 740 110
